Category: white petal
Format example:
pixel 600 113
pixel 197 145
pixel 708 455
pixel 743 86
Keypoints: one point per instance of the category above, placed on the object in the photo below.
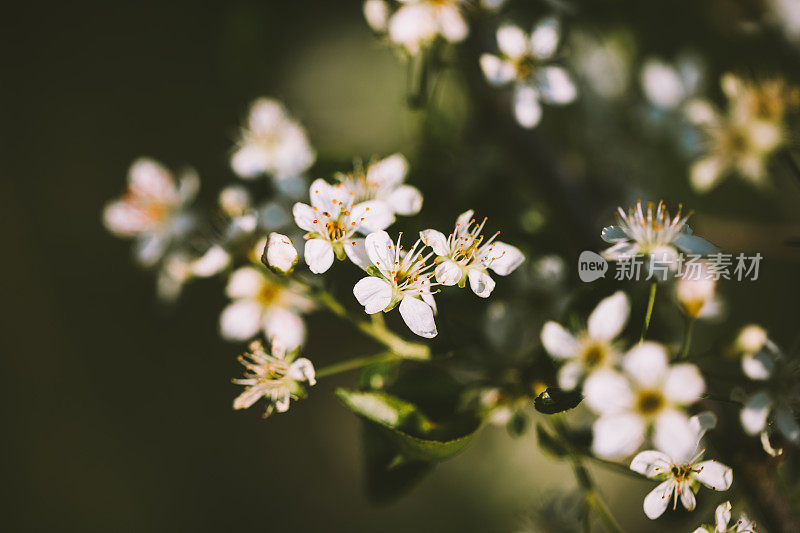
pixel 722 515
pixel 527 109
pixel 249 161
pixel 356 251
pixel 405 200
pixel 558 342
pixel 281 253
pixel 787 423
pixel 617 436
pixel 373 293
pixel 418 316
pixel 247 398
pixel 302 370
pixel 651 463
pixel 212 262
pixel 684 384
pixel 304 216
pixel 544 38
pixel 503 258
pixel 674 435
pixel 658 500
pixel 323 197
pixel 149 179
pixel 662 84
pixel 388 172
pixel 427 297
pixel 481 283
pixel 448 273
pixel 381 251
pixel 609 317
pixel 758 366
pixel 284 327
pixel 150 247
pixel 318 255
pixel 412 26
pixel 452 24
pixel 755 412
pixel 512 41
pixel 608 392
pixel 463 221
pixel 646 363
pixel 714 475
pixel 282 402
pixel 377 14
pixel 569 375
pixel 436 240
pixel 687 497
pixel 372 215
pixel 706 173
pixel 702 422
pixel 556 85
pixel 497 71
pixel 240 320
pixel 245 282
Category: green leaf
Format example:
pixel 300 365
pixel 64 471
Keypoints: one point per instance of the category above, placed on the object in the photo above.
pixel 555 400
pixel 518 424
pixel 549 443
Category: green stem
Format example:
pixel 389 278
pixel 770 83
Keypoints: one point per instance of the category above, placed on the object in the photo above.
pixel 357 362
pixel 649 312
pixel 687 338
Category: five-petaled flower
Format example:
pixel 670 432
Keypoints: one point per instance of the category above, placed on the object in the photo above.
pixel 652 232
pixel 466 255
pixel 262 303
pixel 722 518
pixel 383 181
pixel 591 349
pixel 650 393
pixel 398 278
pixel 153 209
pixel 681 475
pixel 525 61
pixel 417 24
pixel 277 376
pixel 331 221
pixel 272 143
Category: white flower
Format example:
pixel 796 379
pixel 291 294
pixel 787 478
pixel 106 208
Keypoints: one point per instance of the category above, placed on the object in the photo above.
pixel 466 255
pixel 681 477
pixel 668 85
pixel 591 349
pixel 383 181
pixel 153 209
pixel 695 291
pixel 262 304
pixel 419 22
pixel 272 143
pixel 722 517
pixel 652 233
pixel 524 60
pixel 276 376
pixel 331 221
pixel 650 393
pixel 403 279
pixel 280 253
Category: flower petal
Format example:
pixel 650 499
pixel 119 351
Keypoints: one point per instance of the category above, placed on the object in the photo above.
pixel 657 501
pixel 556 85
pixel 722 515
pixel 452 24
pixel 148 178
pixel 284 327
pixel 714 475
pixel 687 496
pixel 388 172
pixel 527 109
pixel 418 316
pixel 448 273
pixel 481 283
pixel 544 38
pixel 758 366
pixel 245 282
pixel 684 384
pixel 569 375
pixel 692 244
pixel 381 251
pixel 512 41
pixel 674 435
pixel 436 240
pixel 356 251
pixel 240 320
pixel 371 216
pixel 304 216
pixel 651 463
pixel 706 173
pixel 318 255
pixel 787 423
pixel 617 436
pixel 405 200
pixel 373 293
pixel 558 342
pixel 646 363
pixel 496 70
pixel 755 412
pixel 302 370
pixel 503 258
pixel 613 234
pixel 609 317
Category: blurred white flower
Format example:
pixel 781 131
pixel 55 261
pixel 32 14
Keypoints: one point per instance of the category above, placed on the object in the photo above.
pixel 650 393
pixel 398 278
pixel 591 349
pixel 261 304
pixel 695 291
pixel 681 476
pixel 383 181
pixel 722 517
pixel 331 221
pixel 668 85
pixel 271 143
pixel 417 23
pixel 466 255
pixel 276 376
pixel 742 139
pixel 653 233
pixel 603 61
pixel 280 253
pixel 153 210
pixel 377 14
pixel 525 60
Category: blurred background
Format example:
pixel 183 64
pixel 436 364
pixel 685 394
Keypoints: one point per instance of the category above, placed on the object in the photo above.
pixel 117 410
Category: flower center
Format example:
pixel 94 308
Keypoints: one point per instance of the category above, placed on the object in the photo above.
pixel 593 355
pixel 336 229
pixel 681 472
pixel 268 293
pixel 649 402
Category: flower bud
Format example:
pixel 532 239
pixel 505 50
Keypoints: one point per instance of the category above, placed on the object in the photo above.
pixel 751 339
pixel 694 292
pixel 279 253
